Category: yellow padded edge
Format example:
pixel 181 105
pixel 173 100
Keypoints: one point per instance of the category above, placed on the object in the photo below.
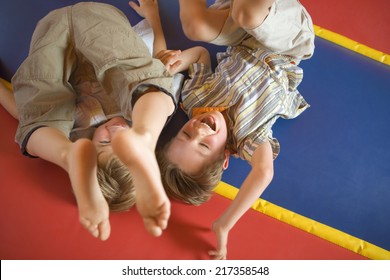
pixel 333 235
pixel 7 84
pixel 351 45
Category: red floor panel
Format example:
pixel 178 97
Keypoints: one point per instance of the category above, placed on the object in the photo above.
pixel 38 214
pixel 360 20
pixel 38 218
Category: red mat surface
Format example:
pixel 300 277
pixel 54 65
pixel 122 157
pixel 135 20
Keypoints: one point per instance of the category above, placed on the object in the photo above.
pixel 38 213
pixel 360 20
pixel 38 220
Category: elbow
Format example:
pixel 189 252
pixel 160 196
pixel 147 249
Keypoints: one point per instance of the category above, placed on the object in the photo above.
pixel 263 175
pixel 204 56
pixel 238 17
pixel 248 16
pixel 246 19
pixel 268 174
pixel 196 31
pixel 189 27
pixel 193 33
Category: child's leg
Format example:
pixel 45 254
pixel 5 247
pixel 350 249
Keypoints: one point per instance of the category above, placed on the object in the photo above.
pixel 122 63
pixel 79 160
pixel 249 14
pixel 200 23
pixel 136 148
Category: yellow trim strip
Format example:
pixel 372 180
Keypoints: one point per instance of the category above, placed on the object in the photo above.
pixel 330 234
pixel 351 45
pixel 6 83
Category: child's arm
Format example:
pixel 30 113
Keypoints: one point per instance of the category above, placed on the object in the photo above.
pixel 200 23
pixel 175 60
pixel 178 62
pixel 254 185
pixel 7 99
pixel 148 9
pixel 79 160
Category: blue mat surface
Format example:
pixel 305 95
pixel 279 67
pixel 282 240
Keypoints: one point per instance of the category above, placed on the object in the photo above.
pixel 334 161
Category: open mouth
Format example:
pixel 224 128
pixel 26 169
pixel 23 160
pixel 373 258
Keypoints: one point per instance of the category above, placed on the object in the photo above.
pixel 210 122
pixel 119 124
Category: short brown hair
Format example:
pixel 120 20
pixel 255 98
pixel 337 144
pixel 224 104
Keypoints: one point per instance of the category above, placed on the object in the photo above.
pixel 116 184
pixel 191 189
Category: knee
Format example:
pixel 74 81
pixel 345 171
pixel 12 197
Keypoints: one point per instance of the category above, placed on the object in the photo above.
pixel 195 30
pixel 189 29
pixel 188 25
pixel 245 19
pixel 248 17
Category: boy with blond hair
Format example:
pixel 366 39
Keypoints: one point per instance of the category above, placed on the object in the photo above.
pixel 65 44
pixel 234 107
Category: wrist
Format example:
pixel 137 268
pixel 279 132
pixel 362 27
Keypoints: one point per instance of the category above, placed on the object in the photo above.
pixel 220 228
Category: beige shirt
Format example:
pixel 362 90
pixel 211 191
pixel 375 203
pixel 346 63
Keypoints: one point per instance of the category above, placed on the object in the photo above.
pixel 287 30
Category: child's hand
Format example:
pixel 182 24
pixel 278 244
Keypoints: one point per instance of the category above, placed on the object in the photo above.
pixel 218 254
pixel 222 237
pixel 170 58
pixel 146 8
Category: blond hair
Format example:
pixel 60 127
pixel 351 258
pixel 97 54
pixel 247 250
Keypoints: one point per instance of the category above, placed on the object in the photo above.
pixel 116 184
pixel 191 189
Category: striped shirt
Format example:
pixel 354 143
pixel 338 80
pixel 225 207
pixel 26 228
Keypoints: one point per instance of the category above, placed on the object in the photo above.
pixel 256 86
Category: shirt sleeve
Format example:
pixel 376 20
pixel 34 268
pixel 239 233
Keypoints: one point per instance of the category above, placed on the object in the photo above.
pixel 258 137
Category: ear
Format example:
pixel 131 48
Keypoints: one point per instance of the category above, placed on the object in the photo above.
pixel 226 161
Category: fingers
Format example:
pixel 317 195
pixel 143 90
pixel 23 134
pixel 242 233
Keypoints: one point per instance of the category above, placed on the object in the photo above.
pixel 168 55
pixel 136 8
pixel 133 5
pixel 144 8
pixel 173 68
pixel 217 255
pixel 170 58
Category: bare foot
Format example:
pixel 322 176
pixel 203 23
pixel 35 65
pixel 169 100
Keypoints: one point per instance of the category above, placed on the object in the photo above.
pixel 136 150
pixel 92 206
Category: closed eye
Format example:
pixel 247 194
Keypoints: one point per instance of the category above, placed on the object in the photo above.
pixel 204 145
pixel 187 135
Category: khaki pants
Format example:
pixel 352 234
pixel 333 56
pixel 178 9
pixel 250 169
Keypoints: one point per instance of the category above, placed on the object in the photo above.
pixel 93 32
